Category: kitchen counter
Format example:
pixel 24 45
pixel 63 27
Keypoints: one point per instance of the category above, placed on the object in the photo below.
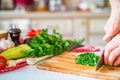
pixel 32 73
pixel 37 15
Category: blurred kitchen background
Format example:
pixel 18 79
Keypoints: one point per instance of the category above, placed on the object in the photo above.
pixel 72 18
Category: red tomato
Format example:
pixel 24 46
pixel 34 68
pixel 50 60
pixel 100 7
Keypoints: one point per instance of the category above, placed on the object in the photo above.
pixel 32 33
pixel 20 40
pixel 32 30
pixel 38 31
pixel 3 62
pixel 28 34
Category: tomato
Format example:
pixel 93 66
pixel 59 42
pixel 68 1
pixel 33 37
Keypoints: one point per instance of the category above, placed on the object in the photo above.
pixel 3 62
pixel 38 31
pixel 33 32
pixel 20 40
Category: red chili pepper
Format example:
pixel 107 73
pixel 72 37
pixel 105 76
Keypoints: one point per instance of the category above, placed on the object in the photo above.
pixel 3 62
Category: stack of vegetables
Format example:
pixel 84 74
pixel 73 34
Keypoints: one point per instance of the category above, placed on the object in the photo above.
pixel 40 45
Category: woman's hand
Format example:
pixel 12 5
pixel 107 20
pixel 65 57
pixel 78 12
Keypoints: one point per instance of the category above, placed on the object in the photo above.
pixel 112 51
pixel 112 27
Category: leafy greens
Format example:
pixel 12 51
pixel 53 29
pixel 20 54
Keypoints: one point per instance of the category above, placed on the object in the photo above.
pixel 49 44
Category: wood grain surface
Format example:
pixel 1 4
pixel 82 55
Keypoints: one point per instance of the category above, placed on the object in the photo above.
pixel 65 63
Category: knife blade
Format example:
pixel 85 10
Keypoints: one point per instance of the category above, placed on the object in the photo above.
pixel 100 62
pixel 45 58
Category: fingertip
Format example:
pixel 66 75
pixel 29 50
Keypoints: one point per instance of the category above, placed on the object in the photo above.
pixel 106 38
pixel 117 62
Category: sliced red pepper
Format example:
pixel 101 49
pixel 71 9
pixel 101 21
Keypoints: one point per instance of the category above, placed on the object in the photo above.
pixel 3 62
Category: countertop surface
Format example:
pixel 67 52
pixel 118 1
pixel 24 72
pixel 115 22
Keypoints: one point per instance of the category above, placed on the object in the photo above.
pixel 37 15
pixel 32 73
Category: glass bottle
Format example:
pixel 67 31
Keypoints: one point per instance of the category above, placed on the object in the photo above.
pixel 15 34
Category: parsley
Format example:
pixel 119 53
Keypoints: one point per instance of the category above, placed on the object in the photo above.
pixel 88 59
pixel 49 44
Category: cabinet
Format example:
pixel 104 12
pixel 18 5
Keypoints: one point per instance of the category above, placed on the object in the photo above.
pixel 92 29
pixel 80 29
pixel 64 26
pixel 97 25
pixel 72 25
pixel 23 24
pixel 96 31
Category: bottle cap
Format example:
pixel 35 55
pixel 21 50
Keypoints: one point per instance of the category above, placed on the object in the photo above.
pixel 14 29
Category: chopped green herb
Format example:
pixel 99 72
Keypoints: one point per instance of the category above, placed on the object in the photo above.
pixel 88 59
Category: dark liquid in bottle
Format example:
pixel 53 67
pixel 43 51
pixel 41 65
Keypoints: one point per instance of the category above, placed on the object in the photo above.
pixel 15 38
pixel 15 34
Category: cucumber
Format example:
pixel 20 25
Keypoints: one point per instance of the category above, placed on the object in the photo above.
pixel 15 52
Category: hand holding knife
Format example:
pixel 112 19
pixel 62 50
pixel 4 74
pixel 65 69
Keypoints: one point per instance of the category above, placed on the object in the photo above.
pixel 101 61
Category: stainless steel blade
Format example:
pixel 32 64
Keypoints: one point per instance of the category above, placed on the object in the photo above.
pixel 100 62
pixel 44 59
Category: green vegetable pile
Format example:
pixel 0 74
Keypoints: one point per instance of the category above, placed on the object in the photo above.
pixel 88 59
pixel 49 44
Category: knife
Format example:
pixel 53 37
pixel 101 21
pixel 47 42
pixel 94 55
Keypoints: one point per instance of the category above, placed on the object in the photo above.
pixel 100 62
pixel 43 59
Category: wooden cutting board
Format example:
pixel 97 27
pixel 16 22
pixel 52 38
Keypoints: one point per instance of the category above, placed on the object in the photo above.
pixel 65 63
